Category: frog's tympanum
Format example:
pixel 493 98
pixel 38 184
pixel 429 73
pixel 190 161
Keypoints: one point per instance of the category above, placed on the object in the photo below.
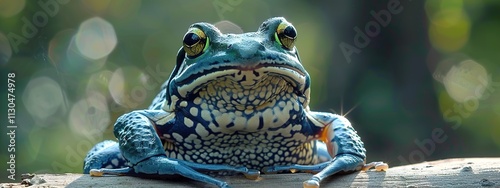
pixel 234 103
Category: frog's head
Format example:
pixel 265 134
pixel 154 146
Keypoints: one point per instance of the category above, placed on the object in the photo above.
pixel 238 71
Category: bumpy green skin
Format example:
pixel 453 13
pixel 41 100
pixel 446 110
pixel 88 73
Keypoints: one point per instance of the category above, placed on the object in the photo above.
pixel 241 106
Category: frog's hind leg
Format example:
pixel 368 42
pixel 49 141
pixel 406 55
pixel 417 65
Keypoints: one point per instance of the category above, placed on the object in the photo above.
pixel 105 154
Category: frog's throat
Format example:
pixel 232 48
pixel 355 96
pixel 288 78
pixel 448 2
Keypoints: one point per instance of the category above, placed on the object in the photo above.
pixel 246 78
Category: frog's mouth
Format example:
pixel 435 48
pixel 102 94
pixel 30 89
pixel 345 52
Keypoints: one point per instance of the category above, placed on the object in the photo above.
pixel 246 88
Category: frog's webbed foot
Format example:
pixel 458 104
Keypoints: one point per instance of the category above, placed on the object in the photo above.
pixel 344 146
pixel 341 163
pixel 105 154
pixel 379 166
pixel 140 145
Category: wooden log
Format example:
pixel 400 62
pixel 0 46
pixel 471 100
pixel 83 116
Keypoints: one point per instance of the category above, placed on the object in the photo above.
pixel 460 172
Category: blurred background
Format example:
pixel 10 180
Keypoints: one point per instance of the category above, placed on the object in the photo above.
pixel 420 80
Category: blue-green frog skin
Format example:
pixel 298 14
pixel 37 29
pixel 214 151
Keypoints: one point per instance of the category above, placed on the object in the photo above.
pixel 234 103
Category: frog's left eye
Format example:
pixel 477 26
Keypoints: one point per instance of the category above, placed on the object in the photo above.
pixel 195 42
pixel 286 35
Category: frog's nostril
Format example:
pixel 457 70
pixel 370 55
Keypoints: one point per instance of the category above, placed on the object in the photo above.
pixel 261 47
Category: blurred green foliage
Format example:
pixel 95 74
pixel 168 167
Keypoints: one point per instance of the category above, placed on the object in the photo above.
pixel 431 71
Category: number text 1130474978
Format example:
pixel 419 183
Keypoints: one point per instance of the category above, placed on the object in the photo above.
pixel 11 125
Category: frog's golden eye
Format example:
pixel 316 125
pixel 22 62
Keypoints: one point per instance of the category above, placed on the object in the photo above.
pixel 195 42
pixel 286 35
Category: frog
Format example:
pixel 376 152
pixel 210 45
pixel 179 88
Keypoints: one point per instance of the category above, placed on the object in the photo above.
pixel 233 104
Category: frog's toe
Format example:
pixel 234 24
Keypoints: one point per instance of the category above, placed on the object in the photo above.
pixel 96 172
pixel 311 184
pixel 252 174
pixel 118 171
pixel 379 166
pixel 105 154
pixel 382 167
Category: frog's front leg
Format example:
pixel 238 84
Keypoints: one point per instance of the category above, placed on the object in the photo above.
pixel 344 147
pixel 140 145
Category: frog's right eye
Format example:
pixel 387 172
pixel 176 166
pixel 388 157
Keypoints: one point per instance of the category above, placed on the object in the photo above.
pixel 195 42
pixel 286 35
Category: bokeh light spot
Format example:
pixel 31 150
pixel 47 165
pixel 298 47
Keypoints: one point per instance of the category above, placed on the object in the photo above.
pixel 466 80
pixel 90 115
pixel 117 86
pixel 449 30
pixel 5 49
pixel 96 38
pixel 78 62
pixel 10 8
pixel 42 97
pixel 128 94
pixel 98 82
